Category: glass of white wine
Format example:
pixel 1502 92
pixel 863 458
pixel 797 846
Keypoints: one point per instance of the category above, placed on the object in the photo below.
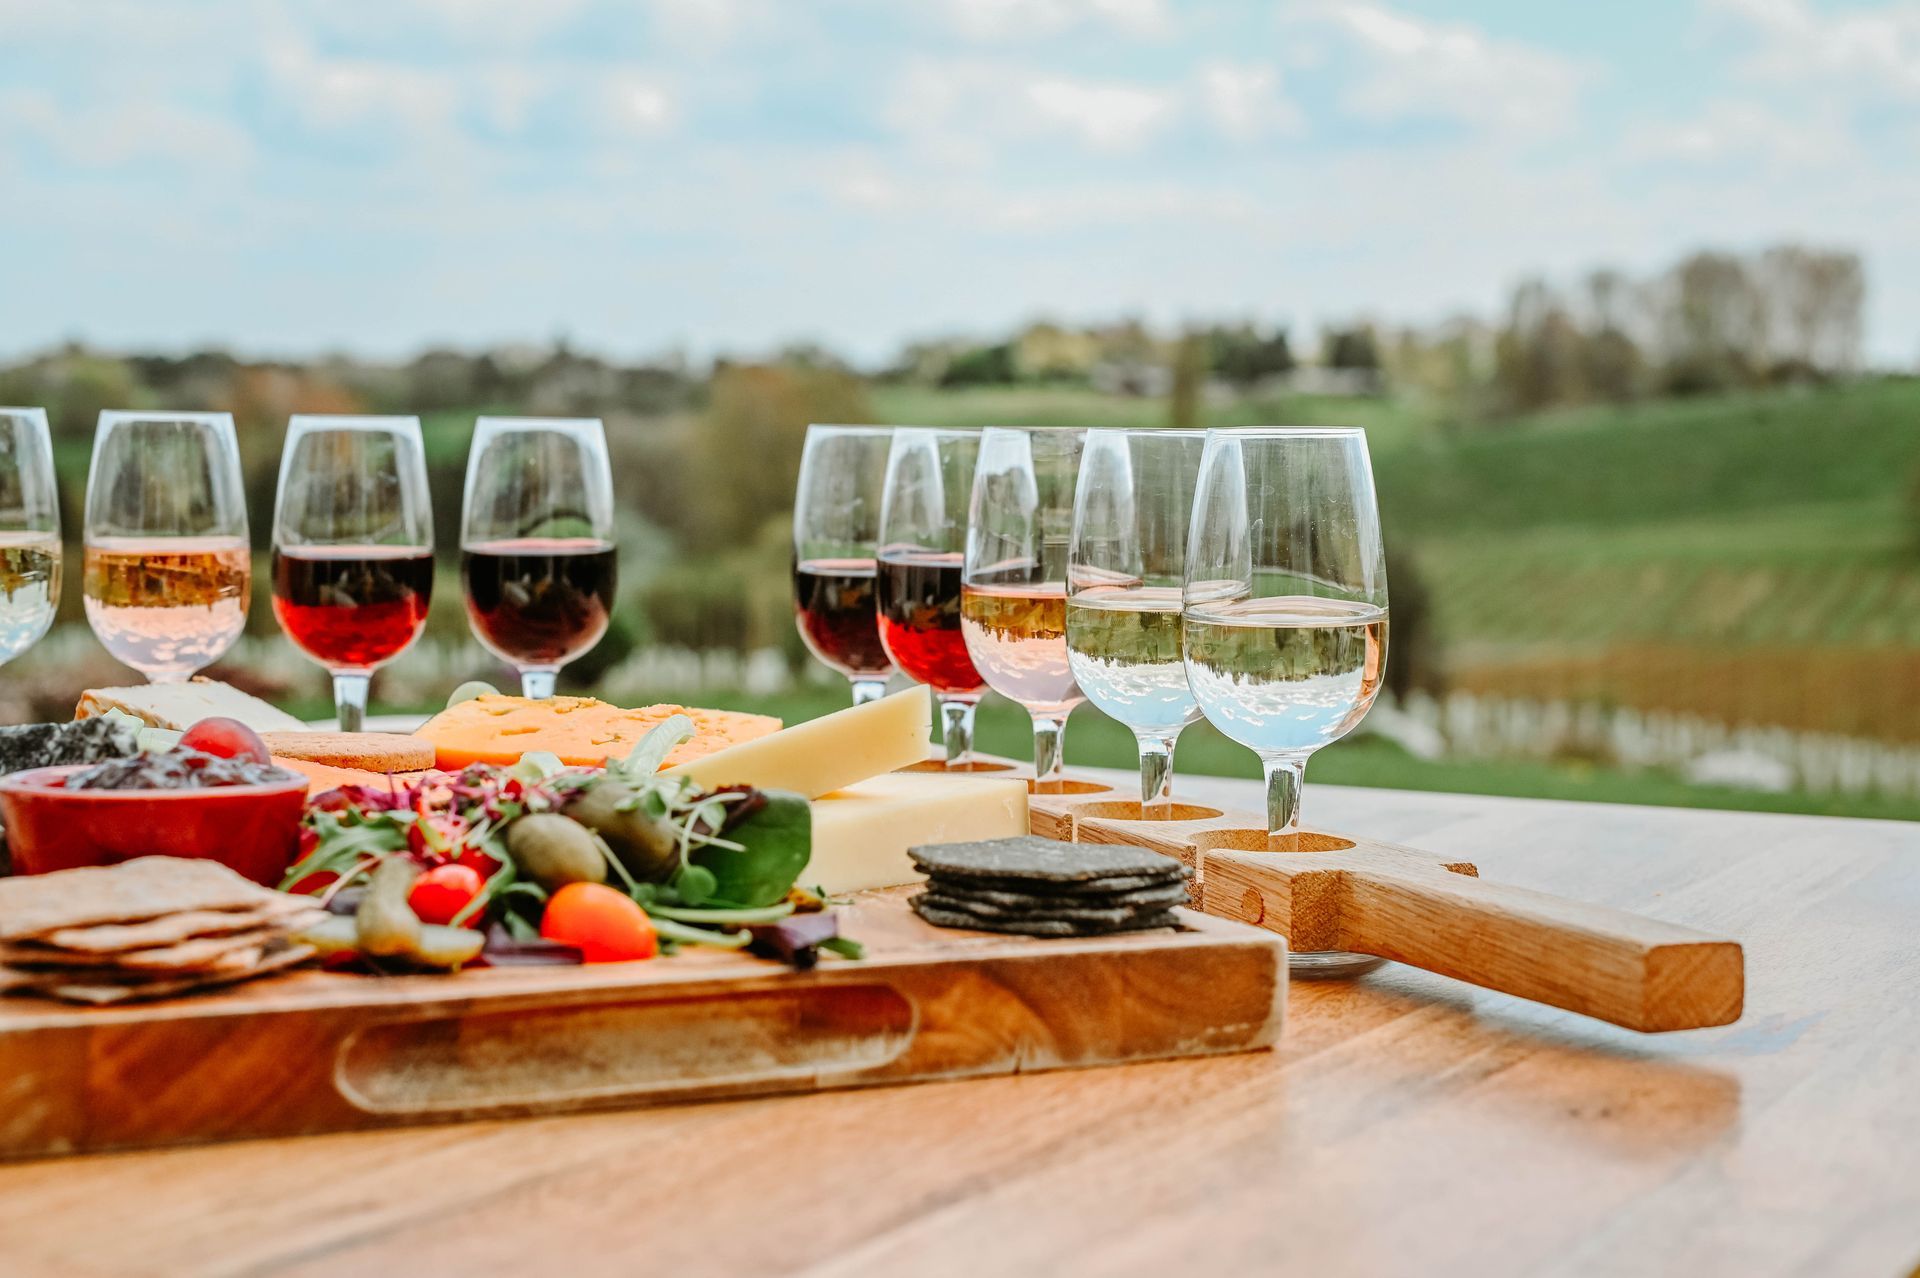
pixel 1013 595
pixel 1284 614
pixel 29 531
pixel 1125 569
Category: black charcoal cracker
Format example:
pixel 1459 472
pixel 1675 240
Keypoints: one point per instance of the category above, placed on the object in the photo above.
pixel 970 890
pixel 1038 927
pixel 52 745
pixel 1088 914
pixel 1047 860
pixel 1082 890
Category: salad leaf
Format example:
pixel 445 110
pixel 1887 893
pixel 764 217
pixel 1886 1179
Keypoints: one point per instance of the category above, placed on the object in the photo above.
pixel 768 851
pixel 651 750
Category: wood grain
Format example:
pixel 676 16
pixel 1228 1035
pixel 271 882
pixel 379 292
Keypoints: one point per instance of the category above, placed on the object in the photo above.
pixel 318 1051
pixel 1407 1123
pixel 1330 892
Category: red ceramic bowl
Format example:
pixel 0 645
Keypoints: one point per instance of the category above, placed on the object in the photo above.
pixel 254 829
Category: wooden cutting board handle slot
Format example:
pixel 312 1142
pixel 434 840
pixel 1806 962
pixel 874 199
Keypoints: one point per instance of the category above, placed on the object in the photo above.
pixel 556 1056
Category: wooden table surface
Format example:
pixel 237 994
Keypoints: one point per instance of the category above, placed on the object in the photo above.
pixel 1407 1124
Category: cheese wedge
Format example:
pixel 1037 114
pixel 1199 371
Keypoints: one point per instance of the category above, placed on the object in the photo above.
pixel 580 731
pixel 827 753
pixel 181 705
pixel 861 834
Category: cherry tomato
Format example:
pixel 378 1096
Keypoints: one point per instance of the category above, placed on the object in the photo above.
pixel 485 864
pixel 227 738
pixel 605 925
pixel 442 892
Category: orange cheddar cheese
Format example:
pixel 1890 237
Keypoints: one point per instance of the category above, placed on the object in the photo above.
pixel 581 731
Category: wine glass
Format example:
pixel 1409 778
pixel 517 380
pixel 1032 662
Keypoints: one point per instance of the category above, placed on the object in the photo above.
pixel 1013 603
pixel 1125 568
pixel 836 526
pixel 167 564
pixel 923 537
pixel 29 531
pixel 352 547
pixel 536 542
pixel 1285 609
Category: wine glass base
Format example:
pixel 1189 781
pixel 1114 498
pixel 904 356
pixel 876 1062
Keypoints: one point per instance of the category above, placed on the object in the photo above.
pixel 1330 965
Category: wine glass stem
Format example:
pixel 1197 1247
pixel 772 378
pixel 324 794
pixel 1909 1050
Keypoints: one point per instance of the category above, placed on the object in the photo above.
pixel 956 729
pixel 1049 763
pixel 865 690
pixel 537 685
pixel 350 698
pixel 1156 777
pixel 1286 776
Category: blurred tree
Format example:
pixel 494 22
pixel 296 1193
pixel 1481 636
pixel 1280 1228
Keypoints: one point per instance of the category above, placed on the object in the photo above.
pixel 1189 382
pixel 1355 347
pixel 1243 355
pixel 745 457
pixel 980 366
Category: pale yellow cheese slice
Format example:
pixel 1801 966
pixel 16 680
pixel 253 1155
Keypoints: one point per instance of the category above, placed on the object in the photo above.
pixel 827 753
pixel 861 834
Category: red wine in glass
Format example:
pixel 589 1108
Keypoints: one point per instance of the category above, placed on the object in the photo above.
pixel 539 602
pixel 918 593
pixel 833 604
pixel 352 607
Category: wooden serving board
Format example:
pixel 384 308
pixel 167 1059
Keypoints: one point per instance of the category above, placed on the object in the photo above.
pixel 1328 891
pixel 320 1052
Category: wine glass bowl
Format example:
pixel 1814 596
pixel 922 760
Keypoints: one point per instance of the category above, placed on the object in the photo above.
pixel 922 544
pixel 167 566
pixel 352 547
pixel 1284 616
pixel 1127 563
pixel 537 556
pixel 1013 605
pixel 836 527
pixel 30 551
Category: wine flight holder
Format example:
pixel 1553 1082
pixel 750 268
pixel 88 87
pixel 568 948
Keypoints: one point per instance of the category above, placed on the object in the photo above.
pixel 1333 892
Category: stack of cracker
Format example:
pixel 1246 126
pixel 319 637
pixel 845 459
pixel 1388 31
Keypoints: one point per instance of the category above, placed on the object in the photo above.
pixel 1041 887
pixel 151 928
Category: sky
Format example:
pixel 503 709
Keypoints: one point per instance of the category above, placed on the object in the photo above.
pixel 715 176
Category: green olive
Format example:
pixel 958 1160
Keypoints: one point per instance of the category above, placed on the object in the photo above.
pixel 648 848
pixel 554 851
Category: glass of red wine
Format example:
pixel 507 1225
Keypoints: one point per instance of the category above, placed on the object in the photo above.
pixel 923 538
pixel 836 523
pixel 536 542
pixel 352 547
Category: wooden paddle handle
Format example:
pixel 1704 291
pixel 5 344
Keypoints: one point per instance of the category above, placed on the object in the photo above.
pixel 1606 963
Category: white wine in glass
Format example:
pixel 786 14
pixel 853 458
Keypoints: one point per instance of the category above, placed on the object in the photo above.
pixel 1132 505
pixel 29 531
pixel 1013 599
pixel 1285 609
pixel 168 567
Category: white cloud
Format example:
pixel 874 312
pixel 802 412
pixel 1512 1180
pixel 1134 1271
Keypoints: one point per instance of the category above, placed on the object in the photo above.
pixel 959 111
pixel 1730 131
pixel 1107 117
pixel 116 133
pixel 1031 19
pixel 1414 68
pixel 1876 49
pixel 1245 102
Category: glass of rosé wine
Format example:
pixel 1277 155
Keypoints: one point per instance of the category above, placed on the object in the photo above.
pixel 352 547
pixel 536 542
pixel 1013 602
pixel 167 568
pixel 836 520
pixel 923 535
